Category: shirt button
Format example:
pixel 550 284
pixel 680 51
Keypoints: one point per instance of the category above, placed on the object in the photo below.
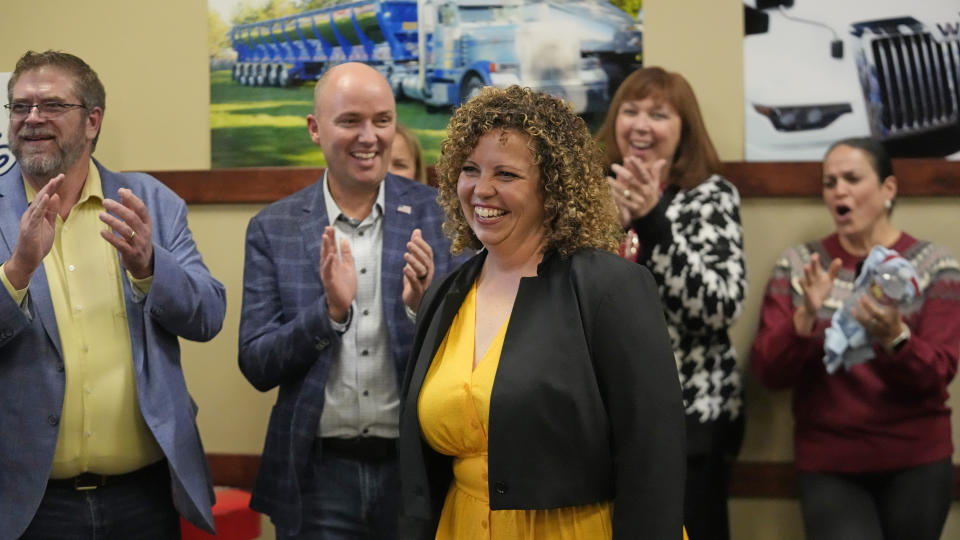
pixel 363 270
pixel 366 392
pixel 500 487
pixel 365 353
pixel 53 420
pixel 71 268
pixel 360 233
pixel 366 312
pixel 366 430
pixel 79 307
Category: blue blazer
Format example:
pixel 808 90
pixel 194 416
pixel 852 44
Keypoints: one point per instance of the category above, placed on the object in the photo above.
pixel 286 339
pixel 184 301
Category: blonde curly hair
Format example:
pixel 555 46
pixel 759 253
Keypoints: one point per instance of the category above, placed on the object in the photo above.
pixel 578 210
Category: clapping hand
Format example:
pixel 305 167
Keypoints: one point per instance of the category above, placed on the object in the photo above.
pixel 338 275
pixel 131 232
pixel 37 231
pixel 816 285
pixel 636 187
pixel 418 272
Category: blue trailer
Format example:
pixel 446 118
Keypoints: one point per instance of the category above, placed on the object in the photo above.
pixel 576 49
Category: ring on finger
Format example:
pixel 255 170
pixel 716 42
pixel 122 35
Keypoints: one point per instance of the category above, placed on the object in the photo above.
pixel 132 234
pixel 626 194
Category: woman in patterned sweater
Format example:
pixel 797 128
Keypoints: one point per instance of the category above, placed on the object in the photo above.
pixel 872 443
pixel 664 177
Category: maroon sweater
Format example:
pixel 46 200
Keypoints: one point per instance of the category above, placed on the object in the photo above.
pixel 887 413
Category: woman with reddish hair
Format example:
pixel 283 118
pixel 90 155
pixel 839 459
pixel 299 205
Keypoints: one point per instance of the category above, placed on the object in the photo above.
pixel 683 223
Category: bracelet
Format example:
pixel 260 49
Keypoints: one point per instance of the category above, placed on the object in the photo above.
pixel 896 344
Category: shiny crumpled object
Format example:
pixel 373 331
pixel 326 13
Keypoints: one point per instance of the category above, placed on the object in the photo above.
pixel 888 279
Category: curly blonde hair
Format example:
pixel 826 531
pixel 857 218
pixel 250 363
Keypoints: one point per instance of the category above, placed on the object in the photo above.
pixel 578 210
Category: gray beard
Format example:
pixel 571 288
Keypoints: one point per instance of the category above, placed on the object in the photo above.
pixel 46 166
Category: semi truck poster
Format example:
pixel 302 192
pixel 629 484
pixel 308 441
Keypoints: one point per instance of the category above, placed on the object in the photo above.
pixel 817 71
pixel 265 57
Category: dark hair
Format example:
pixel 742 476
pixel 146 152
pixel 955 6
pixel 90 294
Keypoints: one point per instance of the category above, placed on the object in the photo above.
pixel 578 210
pixel 86 83
pixel 695 159
pixel 879 158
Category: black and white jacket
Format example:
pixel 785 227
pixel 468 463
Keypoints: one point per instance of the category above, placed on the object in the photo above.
pixel 692 242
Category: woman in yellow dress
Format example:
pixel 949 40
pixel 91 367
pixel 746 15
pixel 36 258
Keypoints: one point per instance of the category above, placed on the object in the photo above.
pixel 527 412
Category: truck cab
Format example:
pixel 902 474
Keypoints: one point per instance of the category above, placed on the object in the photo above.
pixel 474 43
pixel 817 71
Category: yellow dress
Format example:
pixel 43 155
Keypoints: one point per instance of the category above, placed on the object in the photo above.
pixel 454 407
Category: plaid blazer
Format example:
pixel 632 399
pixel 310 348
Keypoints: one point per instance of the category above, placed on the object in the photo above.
pixel 286 339
pixel 184 301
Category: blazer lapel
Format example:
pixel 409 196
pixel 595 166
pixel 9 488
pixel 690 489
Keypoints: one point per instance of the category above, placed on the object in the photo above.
pixel 441 317
pixel 110 184
pixel 397 228
pixel 13 203
pixel 314 220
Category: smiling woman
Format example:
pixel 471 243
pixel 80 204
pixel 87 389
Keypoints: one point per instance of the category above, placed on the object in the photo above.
pixel 684 226
pixel 529 345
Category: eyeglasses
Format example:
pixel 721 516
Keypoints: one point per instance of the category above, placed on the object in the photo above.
pixel 47 109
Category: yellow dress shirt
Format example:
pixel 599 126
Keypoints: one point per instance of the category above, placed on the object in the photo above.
pixel 101 427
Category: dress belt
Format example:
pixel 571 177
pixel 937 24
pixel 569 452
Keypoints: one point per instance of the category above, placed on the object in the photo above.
pixel 87 481
pixel 359 448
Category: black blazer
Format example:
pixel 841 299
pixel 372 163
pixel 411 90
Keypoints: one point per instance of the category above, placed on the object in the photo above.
pixel 586 403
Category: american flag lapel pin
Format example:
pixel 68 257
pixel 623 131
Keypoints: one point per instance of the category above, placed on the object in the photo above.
pixel 404 209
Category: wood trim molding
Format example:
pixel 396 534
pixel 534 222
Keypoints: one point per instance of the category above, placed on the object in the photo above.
pixel 917 178
pixel 748 479
pixel 234 470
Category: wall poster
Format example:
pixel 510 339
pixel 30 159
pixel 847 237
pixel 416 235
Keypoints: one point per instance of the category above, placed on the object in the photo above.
pixel 817 71
pixel 6 156
pixel 265 56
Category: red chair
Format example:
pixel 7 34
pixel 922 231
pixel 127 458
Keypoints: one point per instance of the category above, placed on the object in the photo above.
pixel 232 516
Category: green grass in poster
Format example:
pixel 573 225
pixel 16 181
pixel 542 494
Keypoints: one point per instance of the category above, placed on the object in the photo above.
pixel 266 126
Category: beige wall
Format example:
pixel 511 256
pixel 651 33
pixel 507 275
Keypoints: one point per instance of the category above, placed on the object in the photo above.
pixel 153 63
pixel 150 57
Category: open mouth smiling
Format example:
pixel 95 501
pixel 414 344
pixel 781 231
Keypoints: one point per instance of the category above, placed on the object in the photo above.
pixel 488 213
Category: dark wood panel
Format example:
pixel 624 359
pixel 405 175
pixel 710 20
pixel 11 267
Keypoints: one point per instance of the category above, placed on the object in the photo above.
pixel 234 470
pixel 248 185
pixel 748 479
pixel 917 178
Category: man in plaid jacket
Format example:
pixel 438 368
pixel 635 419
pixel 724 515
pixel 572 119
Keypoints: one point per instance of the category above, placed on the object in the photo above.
pixel 333 276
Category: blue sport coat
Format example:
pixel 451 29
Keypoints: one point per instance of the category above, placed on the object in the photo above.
pixel 286 339
pixel 184 301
